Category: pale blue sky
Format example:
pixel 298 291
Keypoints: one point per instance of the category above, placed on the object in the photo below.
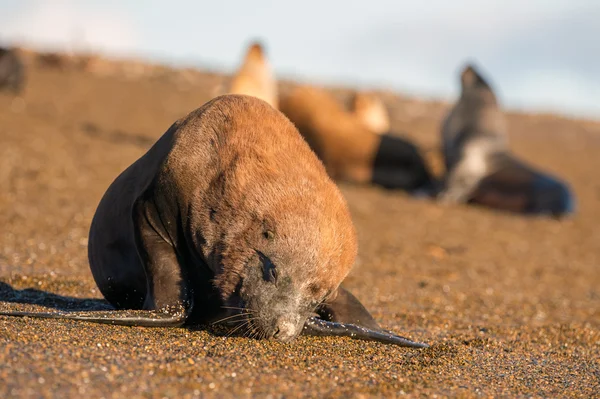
pixel 540 54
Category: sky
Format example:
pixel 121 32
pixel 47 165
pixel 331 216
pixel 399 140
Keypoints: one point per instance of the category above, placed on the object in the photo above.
pixel 540 55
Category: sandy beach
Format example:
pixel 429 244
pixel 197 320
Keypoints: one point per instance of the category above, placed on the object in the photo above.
pixel 510 305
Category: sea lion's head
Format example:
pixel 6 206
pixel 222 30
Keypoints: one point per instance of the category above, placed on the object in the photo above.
pixel 255 77
pixel 470 77
pixel 256 51
pixel 292 255
pixel 371 112
pixel 474 84
pixel 285 237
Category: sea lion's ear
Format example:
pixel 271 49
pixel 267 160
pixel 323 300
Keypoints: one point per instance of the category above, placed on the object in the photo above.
pixel 343 307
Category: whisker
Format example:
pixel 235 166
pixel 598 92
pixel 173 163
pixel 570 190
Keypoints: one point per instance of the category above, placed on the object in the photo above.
pixel 248 329
pixel 242 324
pixel 248 332
pixel 229 317
pixel 256 332
pixel 236 308
pixel 230 332
pixel 252 330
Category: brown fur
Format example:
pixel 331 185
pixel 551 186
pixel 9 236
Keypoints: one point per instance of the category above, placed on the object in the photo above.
pixel 228 172
pixel 371 112
pixel 346 147
pixel 255 76
pixel 271 175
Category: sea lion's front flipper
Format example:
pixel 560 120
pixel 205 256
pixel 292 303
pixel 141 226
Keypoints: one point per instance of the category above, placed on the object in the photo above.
pixel 460 182
pixel 318 327
pixel 343 307
pixel 141 318
pixel 167 286
pixel 344 315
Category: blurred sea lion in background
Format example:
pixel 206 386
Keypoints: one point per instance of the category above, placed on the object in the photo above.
pixel 12 71
pixel 370 111
pixel 479 166
pixel 255 76
pixel 350 151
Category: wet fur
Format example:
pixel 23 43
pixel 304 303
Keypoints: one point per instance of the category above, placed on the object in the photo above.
pixel 255 76
pixel 349 150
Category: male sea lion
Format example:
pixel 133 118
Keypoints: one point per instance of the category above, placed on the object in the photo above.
pixel 349 150
pixel 479 166
pixel 255 76
pixel 229 210
pixel 12 71
pixel 371 112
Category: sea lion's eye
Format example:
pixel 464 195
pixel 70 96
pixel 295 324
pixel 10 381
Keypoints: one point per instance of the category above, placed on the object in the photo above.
pixel 273 274
pixel 268 268
pixel 269 272
pixel 268 234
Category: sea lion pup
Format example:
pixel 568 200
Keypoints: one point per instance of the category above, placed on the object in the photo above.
pixel 12 71
pixel 479 166
pixel 229 210
pixel 370 111
pixel 349 150
pixel 255 76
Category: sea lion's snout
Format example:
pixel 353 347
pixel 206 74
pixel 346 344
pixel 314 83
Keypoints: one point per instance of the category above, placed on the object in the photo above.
pixel 286 329
pixel 282 319
pixel 277 305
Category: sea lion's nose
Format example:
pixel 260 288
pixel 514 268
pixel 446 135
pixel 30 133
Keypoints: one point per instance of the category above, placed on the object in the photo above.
pixel 285 330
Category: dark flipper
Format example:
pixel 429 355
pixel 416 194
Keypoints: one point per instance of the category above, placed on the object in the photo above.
pixel 344 315
pixel 141 318
pixel 318 327
pixel 398 164
pixel 520 188
pixel 346 308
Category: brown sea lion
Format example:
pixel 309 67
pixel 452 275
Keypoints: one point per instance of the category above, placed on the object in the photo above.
pixel 370 111
pixel 479 166
pixel 229 212
pixel 255 76
pixel 12 71
pixel 349 150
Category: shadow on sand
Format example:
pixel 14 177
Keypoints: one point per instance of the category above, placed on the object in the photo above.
pixel 88 306
pixel 33 296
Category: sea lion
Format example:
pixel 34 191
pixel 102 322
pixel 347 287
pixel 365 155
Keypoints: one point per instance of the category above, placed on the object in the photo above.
pixel 479 166
pixel 229 210
pixel 349 150
pixel 255 76
pixel 12 71
pixel 370 111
